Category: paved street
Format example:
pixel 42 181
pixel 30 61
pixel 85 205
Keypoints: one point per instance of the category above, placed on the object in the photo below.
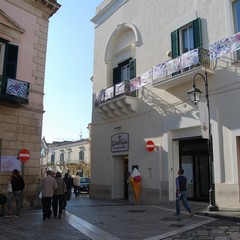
pixel 94 219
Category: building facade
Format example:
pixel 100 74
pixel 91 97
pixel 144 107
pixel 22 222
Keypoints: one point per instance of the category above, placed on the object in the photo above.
pixel 150 55
pixel 23 46
pixel 67 156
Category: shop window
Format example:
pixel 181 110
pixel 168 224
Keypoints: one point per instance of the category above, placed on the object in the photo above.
pixel 186 38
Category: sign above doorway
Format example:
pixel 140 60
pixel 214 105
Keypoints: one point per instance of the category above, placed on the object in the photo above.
pixel 120 142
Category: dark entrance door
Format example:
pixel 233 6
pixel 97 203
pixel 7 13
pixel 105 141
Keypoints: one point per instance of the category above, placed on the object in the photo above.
pixel 194 161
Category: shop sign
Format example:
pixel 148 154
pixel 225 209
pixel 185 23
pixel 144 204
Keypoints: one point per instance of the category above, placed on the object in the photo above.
pixel 120 142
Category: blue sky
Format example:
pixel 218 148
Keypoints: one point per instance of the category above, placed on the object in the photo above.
pixel 69 67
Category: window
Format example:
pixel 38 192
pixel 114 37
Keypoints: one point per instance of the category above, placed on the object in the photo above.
pixel 62 158
pixel 236 15
pixel 186 38
pixel 125 71
pixel 236 20
pixel 8 59
pixel 52 159
pixel 81 155
pixel 69 154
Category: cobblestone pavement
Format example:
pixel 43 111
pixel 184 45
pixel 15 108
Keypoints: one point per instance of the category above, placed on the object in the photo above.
pixel 113 220
pixel 217 230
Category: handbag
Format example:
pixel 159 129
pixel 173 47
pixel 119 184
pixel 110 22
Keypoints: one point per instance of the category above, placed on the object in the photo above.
pixel 10 187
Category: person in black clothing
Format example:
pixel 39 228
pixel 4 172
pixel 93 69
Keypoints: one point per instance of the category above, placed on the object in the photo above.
pixel 18 185
pixel 181 193
pixel 69 183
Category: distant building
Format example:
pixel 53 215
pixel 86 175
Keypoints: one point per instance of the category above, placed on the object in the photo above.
pixel 23 46
pixel 67 156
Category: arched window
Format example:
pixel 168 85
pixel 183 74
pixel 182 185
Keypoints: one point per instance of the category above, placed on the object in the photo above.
pixel 52 159
pixel 62 158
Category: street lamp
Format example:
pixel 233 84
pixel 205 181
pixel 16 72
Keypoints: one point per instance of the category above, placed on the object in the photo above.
pixel 194 95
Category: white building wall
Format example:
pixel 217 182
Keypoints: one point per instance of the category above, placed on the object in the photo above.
pixel 165 115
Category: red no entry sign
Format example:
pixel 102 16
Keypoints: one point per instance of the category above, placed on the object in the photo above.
pixel 150 146
pixel 24 155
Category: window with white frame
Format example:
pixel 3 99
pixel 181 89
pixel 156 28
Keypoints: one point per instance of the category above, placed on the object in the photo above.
pixel 124 71
pixel 186 38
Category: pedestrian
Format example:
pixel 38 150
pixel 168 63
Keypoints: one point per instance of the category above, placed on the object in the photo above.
pixel 76 183
pixel 58 196
pixel 181 193
pixel 16 184
pixel 69 182
pixel 47 187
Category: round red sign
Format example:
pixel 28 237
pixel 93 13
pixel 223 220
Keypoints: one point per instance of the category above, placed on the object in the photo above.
pixel 150 146
pixel 24 155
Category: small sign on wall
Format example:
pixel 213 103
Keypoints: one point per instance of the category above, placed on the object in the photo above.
pixel 120 142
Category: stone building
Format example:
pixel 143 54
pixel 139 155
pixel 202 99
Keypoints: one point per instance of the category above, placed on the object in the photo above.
pixel 67 156
pixel 148 54
pixel 23 46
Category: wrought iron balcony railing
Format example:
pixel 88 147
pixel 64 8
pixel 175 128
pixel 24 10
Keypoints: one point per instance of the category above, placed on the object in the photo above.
pixel 13 90
pixel 175 68
pixel 118 90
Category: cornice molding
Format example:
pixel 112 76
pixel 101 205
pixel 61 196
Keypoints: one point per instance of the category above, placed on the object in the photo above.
pixel 48 6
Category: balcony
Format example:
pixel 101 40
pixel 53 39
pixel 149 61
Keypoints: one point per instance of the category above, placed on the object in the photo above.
pixel 15 91
pixel 116 101
pixel 182 69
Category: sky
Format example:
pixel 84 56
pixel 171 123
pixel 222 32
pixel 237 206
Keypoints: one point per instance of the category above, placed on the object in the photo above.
pixel 69 68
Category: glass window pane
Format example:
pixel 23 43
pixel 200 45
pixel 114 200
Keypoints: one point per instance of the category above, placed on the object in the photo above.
pixel 187 38
pixel 125 72
pixel 236 9
pixel 191 41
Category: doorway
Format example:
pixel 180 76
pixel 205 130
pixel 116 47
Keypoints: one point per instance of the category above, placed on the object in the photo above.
pixel 121 177
pixel 195 162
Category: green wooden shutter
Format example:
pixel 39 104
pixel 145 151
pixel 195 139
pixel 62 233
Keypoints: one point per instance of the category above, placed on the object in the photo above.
pixel 175 43
pixel 10 65
pixel 116 75
pixel 132 66
pixel 197 33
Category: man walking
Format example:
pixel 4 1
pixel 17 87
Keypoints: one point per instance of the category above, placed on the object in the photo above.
pixel 47 187
pixel 181 192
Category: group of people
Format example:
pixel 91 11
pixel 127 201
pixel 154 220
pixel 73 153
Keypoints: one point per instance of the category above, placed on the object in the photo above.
pixel 55 191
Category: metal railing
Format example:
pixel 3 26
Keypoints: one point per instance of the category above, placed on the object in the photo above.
pixel 115 91
pixel 14 90
pixel 180 65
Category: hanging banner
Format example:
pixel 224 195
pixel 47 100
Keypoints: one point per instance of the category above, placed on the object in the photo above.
pixel 204 119
pixel 224 46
